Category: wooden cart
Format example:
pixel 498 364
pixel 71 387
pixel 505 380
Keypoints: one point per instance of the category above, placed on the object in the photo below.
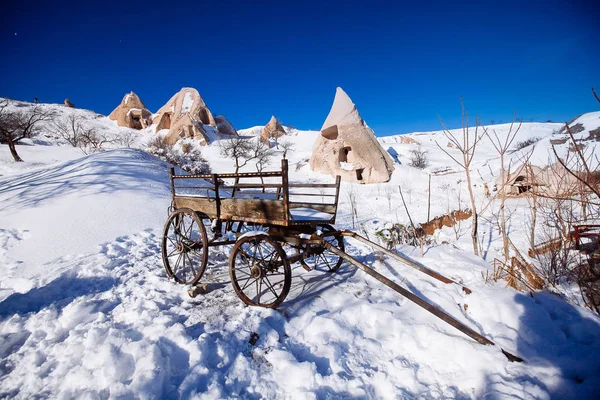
pixel 271 224
pixel 268 220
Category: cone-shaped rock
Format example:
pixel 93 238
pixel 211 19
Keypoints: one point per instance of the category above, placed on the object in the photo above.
pixel 131 113
pixel 185 115
pixel 187 101
pixel 272 130
pixel 187 127
pixel 348 147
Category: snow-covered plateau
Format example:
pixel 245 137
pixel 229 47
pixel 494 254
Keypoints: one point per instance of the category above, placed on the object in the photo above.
pixel 88 311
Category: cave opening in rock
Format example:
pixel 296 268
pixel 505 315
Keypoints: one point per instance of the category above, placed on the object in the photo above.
pixel 359 172
pixel 330 133
pixel 204 116
pixel 345 154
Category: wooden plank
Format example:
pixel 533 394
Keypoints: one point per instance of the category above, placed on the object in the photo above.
pixel 200 204
pixel 231 175
pixel 312 185
pixel 208 177
pixel 338 181
pixel 252 186
pixel 312 194
pixel 171 173
pixel 253 210
pixel 286 190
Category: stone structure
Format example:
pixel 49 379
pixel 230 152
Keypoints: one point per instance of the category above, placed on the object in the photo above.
pixel 131 113
pixel 273 130
pixel 348 147
pixel 186 116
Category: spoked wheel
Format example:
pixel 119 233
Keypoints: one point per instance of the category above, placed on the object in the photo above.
pixel 320 258
pixel 185 246
pixel 260 271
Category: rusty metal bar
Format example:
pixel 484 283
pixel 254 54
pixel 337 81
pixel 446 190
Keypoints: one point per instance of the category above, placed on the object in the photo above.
pixel 405 260
pixel 417 300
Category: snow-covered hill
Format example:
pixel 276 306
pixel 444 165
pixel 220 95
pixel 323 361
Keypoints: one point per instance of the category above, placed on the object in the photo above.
pixel 86 309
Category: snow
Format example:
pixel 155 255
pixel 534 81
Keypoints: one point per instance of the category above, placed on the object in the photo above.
pixel 309 214
pixel 188 102
pixel 252 234
pixel 86 308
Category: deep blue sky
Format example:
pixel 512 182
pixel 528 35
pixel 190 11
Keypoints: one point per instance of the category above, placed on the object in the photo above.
pixel 402 63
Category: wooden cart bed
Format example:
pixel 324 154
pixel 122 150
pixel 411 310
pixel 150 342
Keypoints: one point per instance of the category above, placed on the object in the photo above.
pixel 267 198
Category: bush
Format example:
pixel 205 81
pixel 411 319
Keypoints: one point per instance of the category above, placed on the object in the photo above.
pixel 190 160
pixel 528 142
pixel 419 159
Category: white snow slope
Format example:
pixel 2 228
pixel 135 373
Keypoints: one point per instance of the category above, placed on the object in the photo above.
pixel 87 310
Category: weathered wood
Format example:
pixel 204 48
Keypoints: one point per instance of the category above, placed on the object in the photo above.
pixel 253 210
pixel 312 194
pixel 313 185
pixel 253 186
pixel 171 173
pixel 204 205
pixel 231 175
pixel 286 190
pixel 215 182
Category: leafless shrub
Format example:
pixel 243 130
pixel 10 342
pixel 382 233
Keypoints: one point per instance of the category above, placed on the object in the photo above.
pixel 351 196
pixel 126 138
pixel 73 130
pixel 521 145
pixel 192 161
pixel 419 158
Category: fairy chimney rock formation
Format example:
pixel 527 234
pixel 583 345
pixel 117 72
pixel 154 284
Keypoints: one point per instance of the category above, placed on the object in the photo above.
pixel 131 113
pixel 348 147
pixel 185 115
pixel 224 127
pixel 272 130
pixel 186 127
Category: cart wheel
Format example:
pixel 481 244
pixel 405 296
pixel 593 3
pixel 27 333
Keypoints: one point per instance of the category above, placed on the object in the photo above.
pixel 185 246
pixel 260 271
pixel 321 258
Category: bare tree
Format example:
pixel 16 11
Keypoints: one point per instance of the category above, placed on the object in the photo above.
pixel 241 151
pixel 467 147
pixel 286 146
pixel 238 149
pixel 263 155
pixel 502 146
pixel 419 159
pixel 16 125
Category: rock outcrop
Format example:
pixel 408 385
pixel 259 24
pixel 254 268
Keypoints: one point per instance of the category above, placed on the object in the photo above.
pixel 68 103
pixel 224 127
pixel 187 127
pixel 185 116
pixel 348 147
pixel 131 113
pixel 272 130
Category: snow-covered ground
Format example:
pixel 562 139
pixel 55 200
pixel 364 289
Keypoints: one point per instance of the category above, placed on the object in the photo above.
pixel 87 310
